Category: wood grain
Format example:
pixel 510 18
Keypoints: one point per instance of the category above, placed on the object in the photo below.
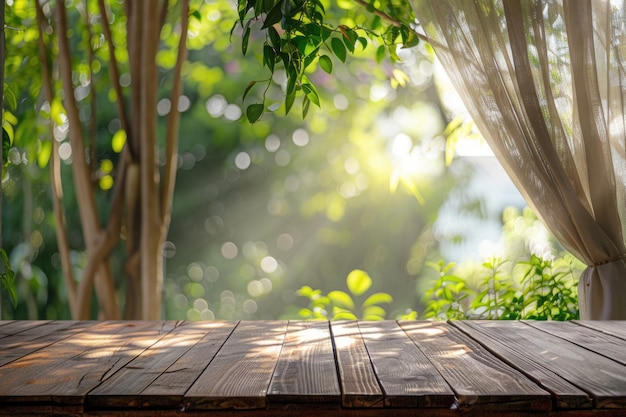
pixel 479 379
pixel 359 385
pixel 602 378
pixel 65 371
pixel 320 369
pixel 615 328
pixel 565 394
pixel 124 388
pixel 28 341
pixel 407 376
pixel 306 370
pixel 10 328
pixel 169 388
pixel 239 375
pixel 603 343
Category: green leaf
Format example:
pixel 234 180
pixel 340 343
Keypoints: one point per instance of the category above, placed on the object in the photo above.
pixel 10 98
pixel 254 112
pixel 245 40
pixel 374 311
pixel 349 37
pixel 118 141
pixel 339 49
pixel 409 38
pixel 378 298
pixel 311 93
pixel 8 282
pixel 341 299
pixel 247 90
pixel 326 63
pixel 292 78
pixel 45 151
pixel 306 103
pixel 381 53
pixel 269 57
pixel 56 110
pixel 325 32
pixel 362 41
pixel 340 314
pixel 196 14
pixel 310 48
pixel 305 291
pixel 358 282
pixel 289 100
pixel 274 16
pixel 274 38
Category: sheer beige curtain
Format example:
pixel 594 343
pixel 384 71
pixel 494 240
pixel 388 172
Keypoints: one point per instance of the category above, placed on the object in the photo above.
pixel 545 82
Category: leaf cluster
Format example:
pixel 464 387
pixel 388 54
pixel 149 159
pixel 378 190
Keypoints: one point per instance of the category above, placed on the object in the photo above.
pixel 341 305
pixel 298 38
pixel 546 291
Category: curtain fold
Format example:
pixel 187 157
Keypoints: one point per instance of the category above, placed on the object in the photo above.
pixel 545 83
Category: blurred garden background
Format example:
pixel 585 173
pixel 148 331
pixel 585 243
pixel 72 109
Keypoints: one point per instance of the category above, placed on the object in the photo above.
pixel 382 203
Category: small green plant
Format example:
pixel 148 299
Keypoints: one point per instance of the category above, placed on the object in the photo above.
pixel 445 298
pixel 497 298
pixel 547 290
pixel 340 305
pixel 550 291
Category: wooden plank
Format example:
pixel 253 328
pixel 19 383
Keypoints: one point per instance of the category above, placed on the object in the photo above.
pixel 306 372
pixel 239 375
pixel 21 344
pixel 65 371
pixel 615 328
pixel 125 388
pixel 17 326
pixel 406 375
pixel 170 387
pixel 603 343
pixel 600 377
pixel 479 379
pixel 565 394
pixel 359 386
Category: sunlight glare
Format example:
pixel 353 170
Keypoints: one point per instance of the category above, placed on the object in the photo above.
pixel 229 250
pixel 272 143
pixel 269 264
pixel 490 249
pixel 300 137
pixel 243 160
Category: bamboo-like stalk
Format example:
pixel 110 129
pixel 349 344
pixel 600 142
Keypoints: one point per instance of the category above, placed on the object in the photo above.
pixel 114 70
pixel 151 267
pixel 173 122
pixel 105 289
pixel 55 175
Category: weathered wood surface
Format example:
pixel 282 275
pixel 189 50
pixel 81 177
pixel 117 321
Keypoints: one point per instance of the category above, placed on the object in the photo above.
pixel 281 368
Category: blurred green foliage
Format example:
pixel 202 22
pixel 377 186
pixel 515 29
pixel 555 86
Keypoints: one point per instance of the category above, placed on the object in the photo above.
pixel 525 286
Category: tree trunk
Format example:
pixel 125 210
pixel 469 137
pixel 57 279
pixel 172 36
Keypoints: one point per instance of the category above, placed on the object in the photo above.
pixel 142 201
pixel 151 236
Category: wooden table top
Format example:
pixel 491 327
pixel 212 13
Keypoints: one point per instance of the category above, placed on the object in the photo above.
pixel 297 368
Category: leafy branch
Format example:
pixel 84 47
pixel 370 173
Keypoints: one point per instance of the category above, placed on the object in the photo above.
pixel 299 39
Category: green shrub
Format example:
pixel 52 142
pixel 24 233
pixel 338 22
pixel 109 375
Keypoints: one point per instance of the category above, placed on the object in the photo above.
pixel 536 289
